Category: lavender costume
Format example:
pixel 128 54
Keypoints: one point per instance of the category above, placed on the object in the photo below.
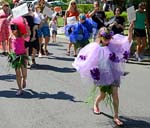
pixel 103 65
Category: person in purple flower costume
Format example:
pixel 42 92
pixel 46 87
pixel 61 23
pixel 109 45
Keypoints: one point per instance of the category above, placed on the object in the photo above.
pixel 102 63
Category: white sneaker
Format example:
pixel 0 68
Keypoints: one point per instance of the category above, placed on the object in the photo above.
pixel 139 59
pixel 136 55
pixel 40 55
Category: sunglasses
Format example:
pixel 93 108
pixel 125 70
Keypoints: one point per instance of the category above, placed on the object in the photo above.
pixel 73 3
pixel 13 27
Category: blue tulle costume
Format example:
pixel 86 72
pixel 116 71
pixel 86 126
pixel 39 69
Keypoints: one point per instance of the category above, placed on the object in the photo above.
pixel 80 33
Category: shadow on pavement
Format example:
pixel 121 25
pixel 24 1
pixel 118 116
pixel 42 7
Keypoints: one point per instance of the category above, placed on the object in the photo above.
pixel 29 94
pixel 131 122
pixel 53 68
pixel 136 122
pixel 8 77
pixel 62 58
pixel 55 44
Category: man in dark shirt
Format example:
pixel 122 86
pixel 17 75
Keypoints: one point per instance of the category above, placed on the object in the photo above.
pixel 98 16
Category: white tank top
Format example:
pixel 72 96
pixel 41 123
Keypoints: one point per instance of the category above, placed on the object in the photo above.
pixel 37 18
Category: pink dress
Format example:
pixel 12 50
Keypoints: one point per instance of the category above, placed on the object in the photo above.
pixel 18 45
pixel 4 26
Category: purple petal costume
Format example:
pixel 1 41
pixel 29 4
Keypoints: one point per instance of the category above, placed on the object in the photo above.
pixel 103 65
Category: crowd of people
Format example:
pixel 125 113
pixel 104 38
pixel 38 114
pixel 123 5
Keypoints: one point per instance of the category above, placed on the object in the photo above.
pixel 99 61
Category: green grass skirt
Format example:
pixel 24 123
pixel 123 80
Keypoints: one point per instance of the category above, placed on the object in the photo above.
pixel 15 61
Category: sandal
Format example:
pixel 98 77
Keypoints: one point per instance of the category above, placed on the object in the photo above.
pixel 46 52
pixel 96 111
pixel 118 122
pixel 68 53
pixel 75 55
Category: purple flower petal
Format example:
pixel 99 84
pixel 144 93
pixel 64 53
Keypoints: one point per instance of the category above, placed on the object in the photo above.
pixel 95 73
pixel 126 55
pixel 82 57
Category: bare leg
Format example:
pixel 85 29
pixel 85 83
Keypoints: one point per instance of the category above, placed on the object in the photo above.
pixel 138 48
pixel 98 99
pixel 116 105
pixel 47 39
pixel 24 76
pixel 69 47
pixel 54 37
pixel 33 55
pixel 34 32
pixel 75 51
pixel 40 43
pixel 18 78
pixel 143 44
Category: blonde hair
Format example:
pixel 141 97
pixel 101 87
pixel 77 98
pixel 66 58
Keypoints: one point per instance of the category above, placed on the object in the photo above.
pixel 4 3
pixel 70 5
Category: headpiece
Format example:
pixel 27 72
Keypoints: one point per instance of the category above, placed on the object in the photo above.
pixel 106 33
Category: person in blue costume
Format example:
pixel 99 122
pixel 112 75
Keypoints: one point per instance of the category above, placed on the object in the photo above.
pixel 80 32
pixel 102 63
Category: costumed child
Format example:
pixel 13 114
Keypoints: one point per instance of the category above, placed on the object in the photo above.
pixel 79 33
pixel 102 63
pixel 17 57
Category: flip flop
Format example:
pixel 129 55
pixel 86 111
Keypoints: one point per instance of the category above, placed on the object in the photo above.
pixel 96 111
pixel 118 122
pixel 68 53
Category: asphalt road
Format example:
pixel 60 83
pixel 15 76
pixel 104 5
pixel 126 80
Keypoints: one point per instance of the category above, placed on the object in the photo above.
pixel 55 96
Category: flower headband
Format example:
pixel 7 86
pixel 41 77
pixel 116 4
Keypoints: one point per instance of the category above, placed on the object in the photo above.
pixel 107 34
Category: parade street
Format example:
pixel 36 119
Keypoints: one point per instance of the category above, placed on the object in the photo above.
pixel 55 95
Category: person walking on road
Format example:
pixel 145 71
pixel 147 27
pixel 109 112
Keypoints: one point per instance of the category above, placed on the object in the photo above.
pixel 103 66
pixel 4 26
pixel 72 13
pixel 43 31
pixel 18 58
pixel 140 31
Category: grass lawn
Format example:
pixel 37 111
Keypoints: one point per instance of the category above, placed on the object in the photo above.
pixel 60 21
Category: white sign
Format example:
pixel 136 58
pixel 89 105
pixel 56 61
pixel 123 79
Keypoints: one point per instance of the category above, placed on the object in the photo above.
pixel 48 12
pixel 71 20
pixel 20 10
pixel 131 13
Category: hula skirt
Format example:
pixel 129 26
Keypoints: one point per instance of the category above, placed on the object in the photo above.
pixel 16 61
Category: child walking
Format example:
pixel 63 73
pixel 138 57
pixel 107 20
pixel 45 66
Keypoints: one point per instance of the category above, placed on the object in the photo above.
pixel 101 63
pixel 17 57
pixel 53 28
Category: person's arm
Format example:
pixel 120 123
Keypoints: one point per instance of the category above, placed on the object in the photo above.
pixel 130 31
pixel 50 23
pixel 65 18
pixel 93 12
pixel 9 44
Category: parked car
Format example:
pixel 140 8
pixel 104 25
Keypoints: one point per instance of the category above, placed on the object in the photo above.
pixel 57 3
pixel 60 4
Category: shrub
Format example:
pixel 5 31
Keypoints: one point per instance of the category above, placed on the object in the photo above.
pixel 85 8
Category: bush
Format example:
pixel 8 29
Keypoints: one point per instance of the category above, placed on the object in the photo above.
pixel 85 8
